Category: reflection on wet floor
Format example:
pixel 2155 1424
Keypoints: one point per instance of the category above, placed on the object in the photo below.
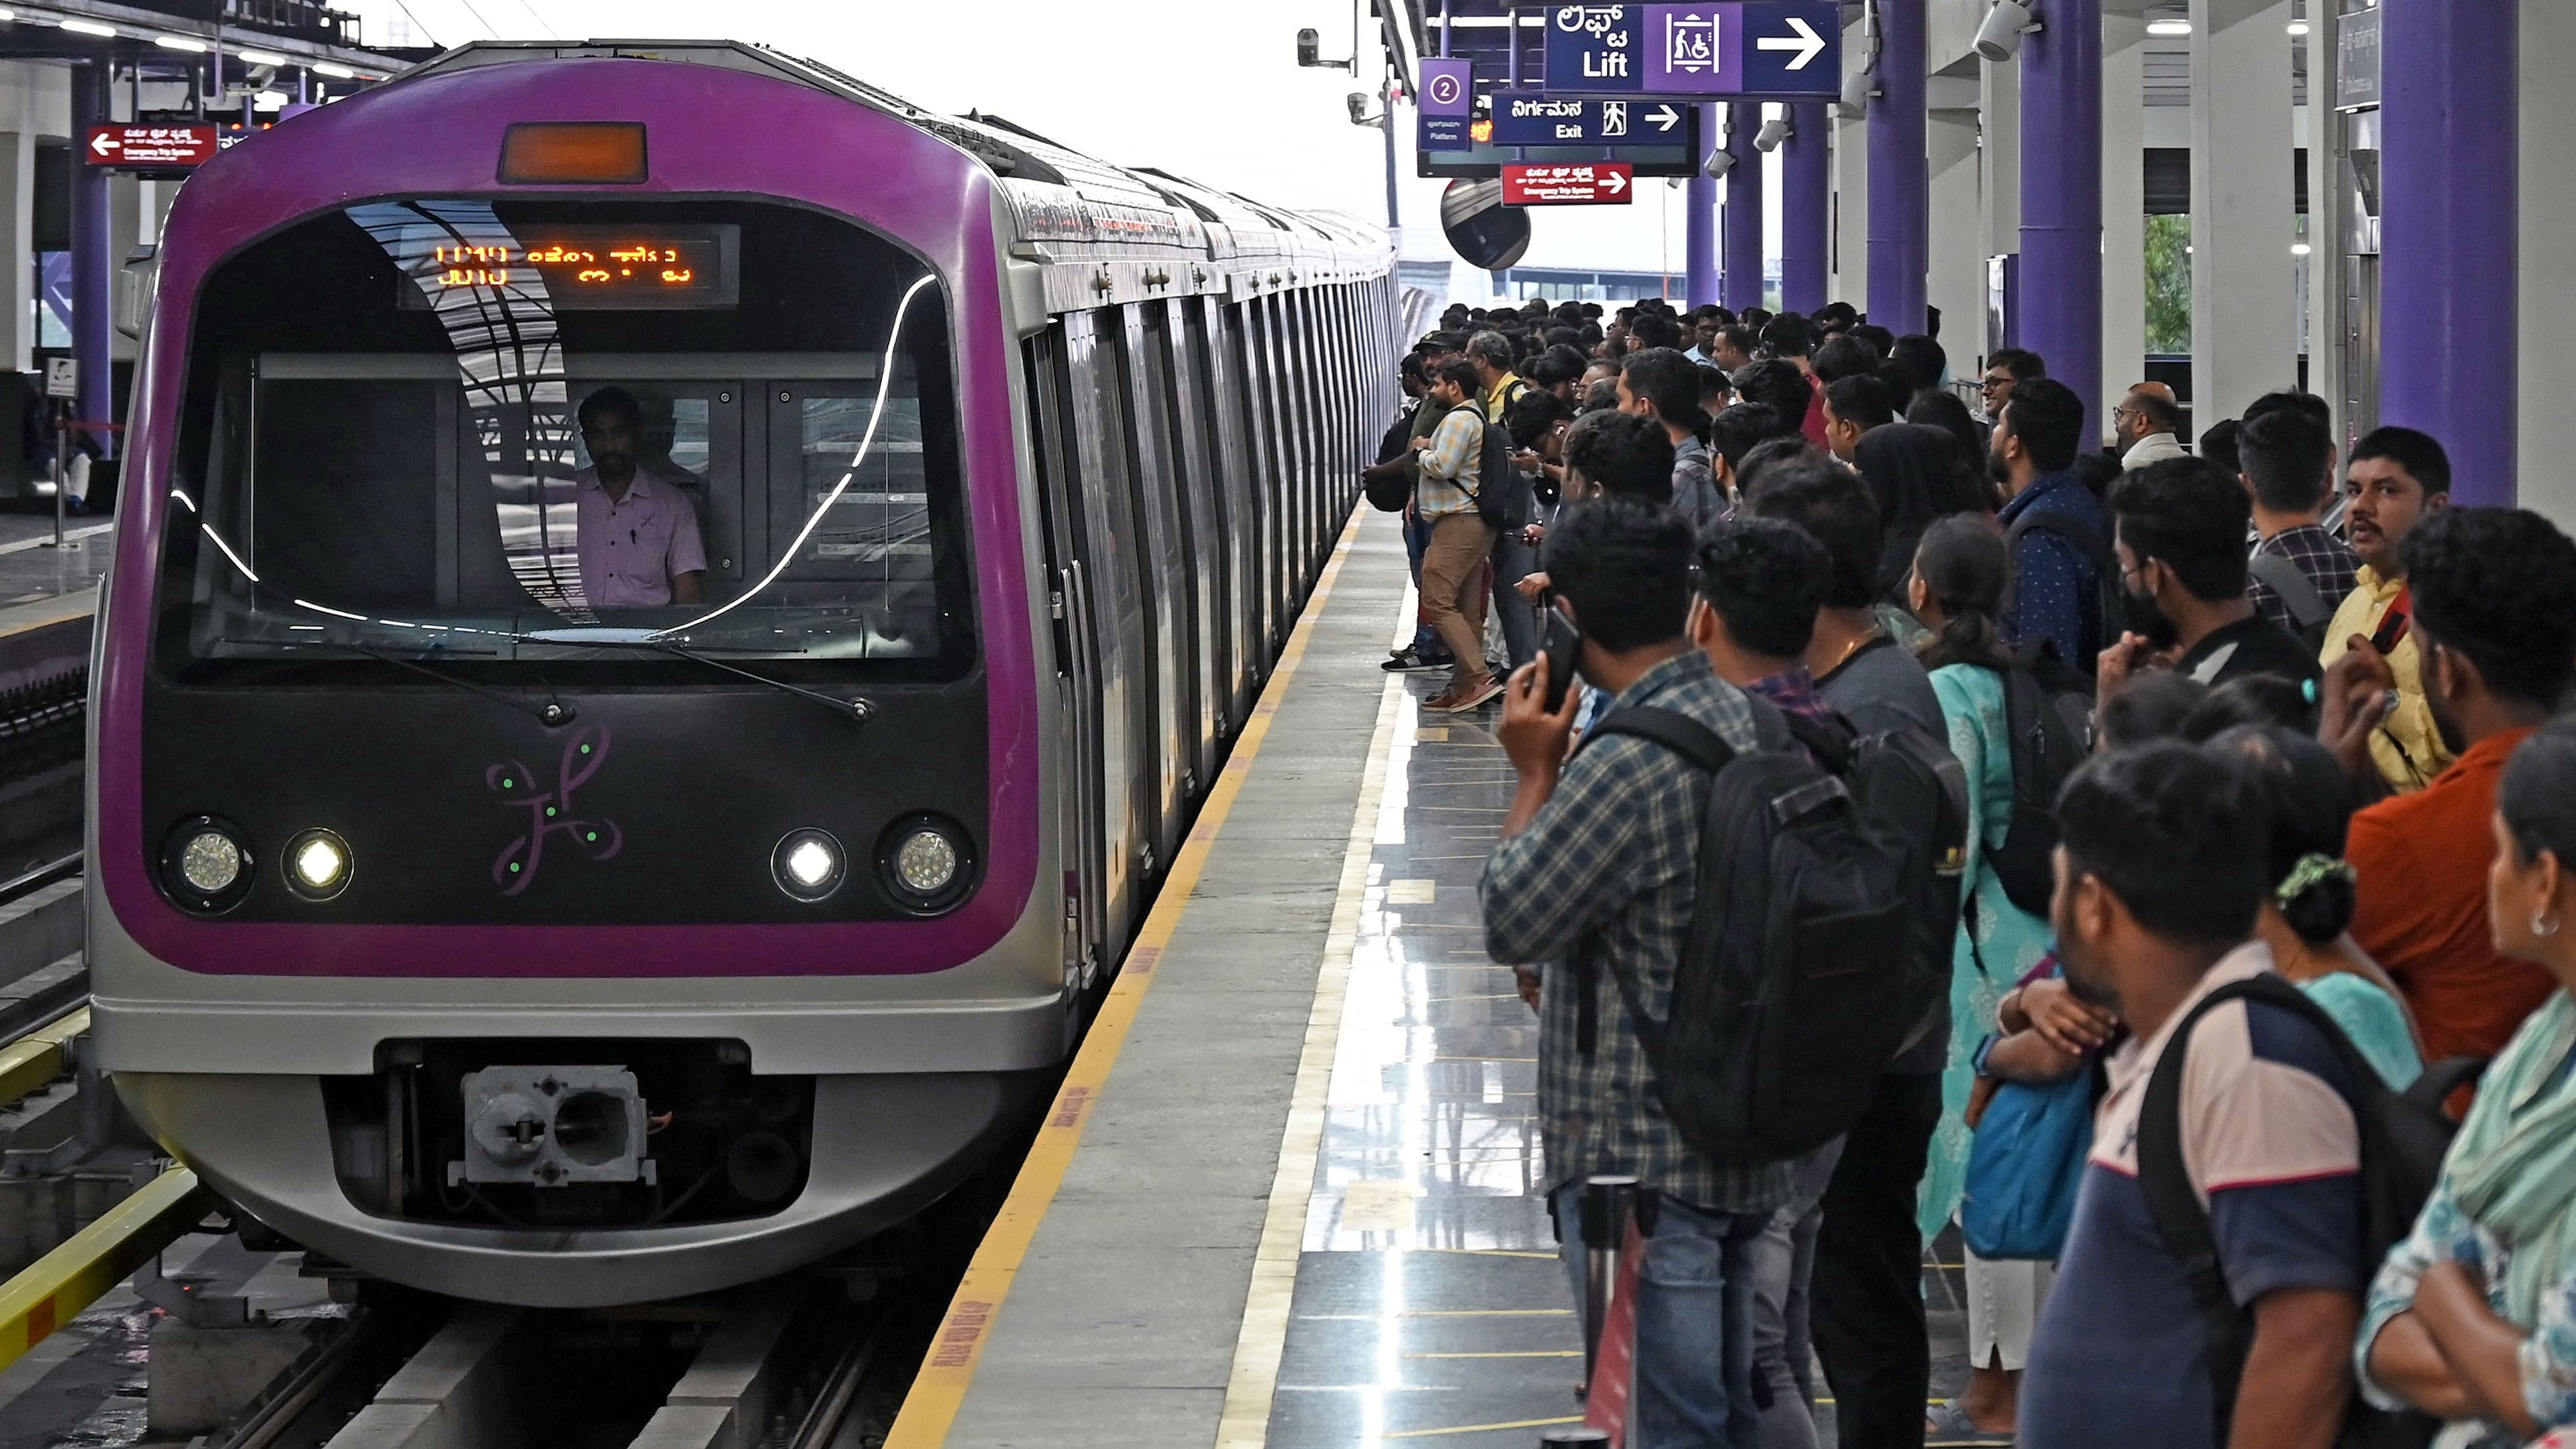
pixel 1429 1302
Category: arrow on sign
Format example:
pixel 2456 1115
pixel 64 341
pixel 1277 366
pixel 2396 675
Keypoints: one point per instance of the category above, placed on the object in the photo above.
pixel 102 144
pixel 1664 118
pixel 1806 42
pixel 1614 183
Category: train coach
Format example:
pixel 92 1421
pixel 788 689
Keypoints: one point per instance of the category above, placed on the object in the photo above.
pixel 673 610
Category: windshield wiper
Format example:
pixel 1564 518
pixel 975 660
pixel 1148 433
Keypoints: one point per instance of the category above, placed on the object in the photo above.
pixel 856 710
pixel 551 713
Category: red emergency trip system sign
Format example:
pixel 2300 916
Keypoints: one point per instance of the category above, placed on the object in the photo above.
pixel 153 147
pixel 1577 183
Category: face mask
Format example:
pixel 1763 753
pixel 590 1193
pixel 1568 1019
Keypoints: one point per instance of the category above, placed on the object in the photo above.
pixel 2142 618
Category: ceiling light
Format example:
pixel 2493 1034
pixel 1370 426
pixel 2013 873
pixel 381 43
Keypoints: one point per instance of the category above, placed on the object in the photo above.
pixel 2169 27
pixel 261 57
pixel 2300 249
pixel 2298 27
pixel 90 27
pixel 335 72
pixel 8 17
pixel 175 42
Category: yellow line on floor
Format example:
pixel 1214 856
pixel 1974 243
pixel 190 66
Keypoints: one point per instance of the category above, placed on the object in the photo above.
pixel 939 1390
pixel 51 1291
pixel 1530 1353
pixel 1262 1340
pixel 1483 1428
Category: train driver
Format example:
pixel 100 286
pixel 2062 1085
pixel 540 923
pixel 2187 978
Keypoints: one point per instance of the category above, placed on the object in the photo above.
pixel 638 535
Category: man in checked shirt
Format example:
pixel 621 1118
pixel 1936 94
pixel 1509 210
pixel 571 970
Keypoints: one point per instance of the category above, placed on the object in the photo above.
pixel 1595 874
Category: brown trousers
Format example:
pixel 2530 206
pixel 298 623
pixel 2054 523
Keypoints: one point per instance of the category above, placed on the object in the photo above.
pixel 1452 571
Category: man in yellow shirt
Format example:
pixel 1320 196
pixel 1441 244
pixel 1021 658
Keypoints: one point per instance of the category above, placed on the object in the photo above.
pixel 1498 386
pixel 2397 478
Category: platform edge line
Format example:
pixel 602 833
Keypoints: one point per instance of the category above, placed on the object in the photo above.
pixel 1261 1344
pixel 956 1349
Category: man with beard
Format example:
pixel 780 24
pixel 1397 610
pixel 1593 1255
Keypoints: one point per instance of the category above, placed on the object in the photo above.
pixel 2397 478
pixel 2494 597
pixel 636 535
pixel 2159 877
pixel 2180 527
pixel 2061 541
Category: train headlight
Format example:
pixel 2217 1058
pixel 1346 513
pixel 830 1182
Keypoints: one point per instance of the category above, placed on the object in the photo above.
pixel 206 864
pixel 318 864
pixel 926 862
pixel 809 864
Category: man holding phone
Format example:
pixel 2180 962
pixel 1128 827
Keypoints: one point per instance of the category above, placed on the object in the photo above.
pixel 2397 478
pixel 1596 864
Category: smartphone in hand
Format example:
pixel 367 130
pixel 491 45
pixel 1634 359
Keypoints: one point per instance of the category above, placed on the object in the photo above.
pixel 1562 643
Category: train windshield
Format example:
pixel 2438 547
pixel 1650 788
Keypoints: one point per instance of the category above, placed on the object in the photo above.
pixel 474 430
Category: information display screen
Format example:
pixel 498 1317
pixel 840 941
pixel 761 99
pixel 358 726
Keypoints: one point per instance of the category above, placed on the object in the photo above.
pixel 587 268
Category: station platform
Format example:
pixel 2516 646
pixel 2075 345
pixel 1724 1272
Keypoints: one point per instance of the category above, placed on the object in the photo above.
pixel 1289 1192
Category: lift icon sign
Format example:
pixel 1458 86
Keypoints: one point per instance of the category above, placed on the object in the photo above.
pixel 151 148
pixel 1587 183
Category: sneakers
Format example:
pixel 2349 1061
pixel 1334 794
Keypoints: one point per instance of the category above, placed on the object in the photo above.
pixel 1409 660
pixel 1466 696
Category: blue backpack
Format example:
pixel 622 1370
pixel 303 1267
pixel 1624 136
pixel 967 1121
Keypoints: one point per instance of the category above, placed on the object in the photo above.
pixel 2024 1166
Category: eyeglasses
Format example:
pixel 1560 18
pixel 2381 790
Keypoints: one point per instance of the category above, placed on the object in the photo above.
pixel 1991 383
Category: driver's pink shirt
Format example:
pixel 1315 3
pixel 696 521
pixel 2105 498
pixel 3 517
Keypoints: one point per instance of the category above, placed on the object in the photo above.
pixel 633 547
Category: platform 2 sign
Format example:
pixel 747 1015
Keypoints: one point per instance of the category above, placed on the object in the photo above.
pixel 152 148
pixel 1535 118
pixel 1726 48
pixel 1569 183
pixel 1448 104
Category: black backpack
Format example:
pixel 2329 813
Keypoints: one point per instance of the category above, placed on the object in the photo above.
pixel 1914 793
pixel 1502 491
pixel 2404 1136
pixel 2048 710
pixel 2104 607
pixel 1793 989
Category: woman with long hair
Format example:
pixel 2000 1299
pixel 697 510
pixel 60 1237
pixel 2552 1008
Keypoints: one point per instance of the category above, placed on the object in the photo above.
pixel 1961 572
pixel 1912 471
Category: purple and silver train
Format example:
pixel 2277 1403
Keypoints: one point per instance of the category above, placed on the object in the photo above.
pixel 551 895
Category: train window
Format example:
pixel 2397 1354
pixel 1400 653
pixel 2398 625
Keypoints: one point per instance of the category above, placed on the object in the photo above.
pixel 443 445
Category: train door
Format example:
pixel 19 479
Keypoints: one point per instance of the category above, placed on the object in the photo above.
pixel 1079 652
pixel 1113 556
pixel 1220 337
pixel 1175 363
pixel 1268 393
pixel 1297 359
pixel 1167 619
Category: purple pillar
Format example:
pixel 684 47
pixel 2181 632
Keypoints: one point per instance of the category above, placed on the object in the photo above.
pixel 93 261
pixel 1699 237
pixel 1744 209
pixel 2061 197
pixel 2448 215
pixel 1806 187
pixel 1900 174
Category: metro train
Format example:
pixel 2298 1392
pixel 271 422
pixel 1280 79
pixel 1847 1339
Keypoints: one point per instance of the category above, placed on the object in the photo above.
pixel 546 893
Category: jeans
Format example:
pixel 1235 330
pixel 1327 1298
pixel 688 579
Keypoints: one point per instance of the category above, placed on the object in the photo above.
pixel 1694 1360
pixel 1515 560
pixel 1417 538
pixel 1869 1322
pixel 1784 1260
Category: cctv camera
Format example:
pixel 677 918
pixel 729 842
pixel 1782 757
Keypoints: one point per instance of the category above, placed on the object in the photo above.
pixel 1999 39
pixel 1774 131
pixel 1359 104
pixel 1719 163
pixel 1310 48
pixel 1858 91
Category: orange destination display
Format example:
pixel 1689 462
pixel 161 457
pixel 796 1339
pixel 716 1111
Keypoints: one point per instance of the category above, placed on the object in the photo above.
pixel 592 267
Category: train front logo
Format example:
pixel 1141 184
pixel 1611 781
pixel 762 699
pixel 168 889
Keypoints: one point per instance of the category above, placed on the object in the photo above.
pixel 550 813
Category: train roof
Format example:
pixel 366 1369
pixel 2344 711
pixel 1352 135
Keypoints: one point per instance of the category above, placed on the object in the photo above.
pixel 1100 233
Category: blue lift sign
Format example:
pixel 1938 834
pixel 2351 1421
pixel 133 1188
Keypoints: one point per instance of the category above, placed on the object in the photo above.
pixel 1770 48
pixel 1536 118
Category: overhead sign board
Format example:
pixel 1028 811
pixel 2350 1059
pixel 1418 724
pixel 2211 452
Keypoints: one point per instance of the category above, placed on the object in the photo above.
pixel 1727 48
pixel 1535 118
pixel 2357 67
pixel 1447 104
pixel 151 148
pixel 1568 183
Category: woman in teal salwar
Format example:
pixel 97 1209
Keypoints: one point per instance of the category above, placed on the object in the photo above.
pixel 2473 1318
pixel 1961 570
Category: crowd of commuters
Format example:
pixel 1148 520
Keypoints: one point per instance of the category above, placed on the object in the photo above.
pixel 2267 818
